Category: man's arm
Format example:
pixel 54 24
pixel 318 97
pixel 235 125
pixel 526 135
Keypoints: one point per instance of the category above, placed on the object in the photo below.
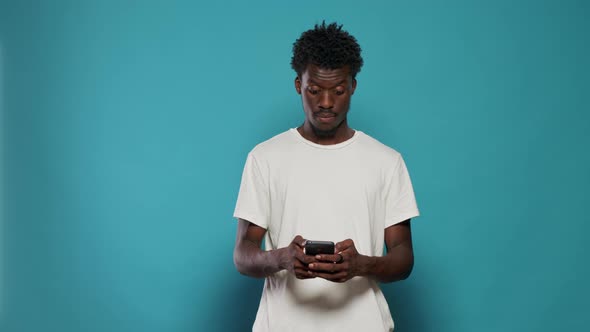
pixel 399 261
pixel 252 261
pixel 396 265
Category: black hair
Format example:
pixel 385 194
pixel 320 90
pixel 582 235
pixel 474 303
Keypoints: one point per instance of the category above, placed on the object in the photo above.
pixel 328 47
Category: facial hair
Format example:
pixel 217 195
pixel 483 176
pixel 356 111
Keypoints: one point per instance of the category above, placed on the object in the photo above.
pixel 326 133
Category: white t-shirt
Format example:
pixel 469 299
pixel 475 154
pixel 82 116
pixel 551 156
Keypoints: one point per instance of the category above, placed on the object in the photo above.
pixel 355 189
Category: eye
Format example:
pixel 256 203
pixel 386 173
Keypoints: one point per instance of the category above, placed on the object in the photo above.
pixel 339 92
pixel 313 91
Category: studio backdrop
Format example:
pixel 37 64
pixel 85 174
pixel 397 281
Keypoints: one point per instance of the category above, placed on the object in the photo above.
pixel 126 125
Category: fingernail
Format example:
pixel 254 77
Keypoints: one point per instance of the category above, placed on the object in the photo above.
pixel 318 257
pixel 311 266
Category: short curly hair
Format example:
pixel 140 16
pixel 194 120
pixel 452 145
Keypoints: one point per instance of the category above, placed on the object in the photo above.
pixel 328 47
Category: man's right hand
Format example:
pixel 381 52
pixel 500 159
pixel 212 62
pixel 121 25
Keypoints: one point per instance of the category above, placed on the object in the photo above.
pixel 252 261
pixel 294 260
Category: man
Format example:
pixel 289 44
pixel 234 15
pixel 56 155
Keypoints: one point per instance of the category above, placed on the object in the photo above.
pixel 324 181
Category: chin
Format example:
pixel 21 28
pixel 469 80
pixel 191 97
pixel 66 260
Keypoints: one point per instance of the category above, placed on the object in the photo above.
pixel 320 131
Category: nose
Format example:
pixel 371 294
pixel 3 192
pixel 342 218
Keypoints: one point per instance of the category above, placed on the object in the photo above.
pixel 326 100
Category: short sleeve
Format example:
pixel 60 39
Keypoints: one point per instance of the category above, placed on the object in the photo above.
pixel 253 197
pixel 400 201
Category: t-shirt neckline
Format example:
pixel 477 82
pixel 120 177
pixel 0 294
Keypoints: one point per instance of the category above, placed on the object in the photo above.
pixel 340 145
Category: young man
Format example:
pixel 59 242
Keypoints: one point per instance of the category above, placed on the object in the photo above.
pixel 324 181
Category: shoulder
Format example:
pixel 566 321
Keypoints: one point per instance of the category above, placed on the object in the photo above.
pixel 273 146
pixel 378 150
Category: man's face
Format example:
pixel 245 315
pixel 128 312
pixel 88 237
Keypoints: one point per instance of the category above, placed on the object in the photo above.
pixel 326 97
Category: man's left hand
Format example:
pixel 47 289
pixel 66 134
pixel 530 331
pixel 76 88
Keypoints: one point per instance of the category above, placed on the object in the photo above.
pixel 343 265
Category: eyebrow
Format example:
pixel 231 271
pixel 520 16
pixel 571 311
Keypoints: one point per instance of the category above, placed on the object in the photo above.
pixel 311 81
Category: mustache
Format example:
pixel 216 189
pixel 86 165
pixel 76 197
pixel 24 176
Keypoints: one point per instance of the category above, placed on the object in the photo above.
pixel 324 113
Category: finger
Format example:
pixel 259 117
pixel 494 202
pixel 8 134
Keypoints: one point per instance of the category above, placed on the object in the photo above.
pixel 305 259
pixel 343 245
pixel 299 241
pixel 336 258
pixel 303 274
pixel 326 267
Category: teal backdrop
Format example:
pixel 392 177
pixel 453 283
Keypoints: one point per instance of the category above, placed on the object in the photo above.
pixel 126 124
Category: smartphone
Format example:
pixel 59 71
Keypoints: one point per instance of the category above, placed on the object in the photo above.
pixel 319 247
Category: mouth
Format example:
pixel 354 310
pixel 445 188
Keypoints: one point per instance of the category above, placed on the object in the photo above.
pixel 325 117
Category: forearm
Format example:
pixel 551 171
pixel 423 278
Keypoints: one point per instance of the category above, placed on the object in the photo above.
pixel 396 265
pixel 252 261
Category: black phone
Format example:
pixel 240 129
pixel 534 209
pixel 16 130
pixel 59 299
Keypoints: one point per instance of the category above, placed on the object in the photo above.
pixel 319 247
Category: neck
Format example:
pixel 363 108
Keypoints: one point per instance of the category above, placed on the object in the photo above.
pixel 342 133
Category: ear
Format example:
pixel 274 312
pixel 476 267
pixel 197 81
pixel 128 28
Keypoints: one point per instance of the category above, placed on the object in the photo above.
pixel 353 86
pixel 298 85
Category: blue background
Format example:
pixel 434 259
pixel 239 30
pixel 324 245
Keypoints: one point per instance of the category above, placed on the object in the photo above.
pixel 126 125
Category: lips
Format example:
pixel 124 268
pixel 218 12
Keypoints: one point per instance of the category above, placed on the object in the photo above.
pixel 325 115
pixel 326 118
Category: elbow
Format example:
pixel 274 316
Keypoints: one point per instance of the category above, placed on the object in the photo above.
pixel 241 265
pixel 406 274
pixel 401 272
pixel 409 267
pixel 404 270
pixel 243 271
pixel 238 263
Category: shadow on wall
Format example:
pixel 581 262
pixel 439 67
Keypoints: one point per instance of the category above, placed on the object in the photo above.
pixel 408 313
pixel 236 306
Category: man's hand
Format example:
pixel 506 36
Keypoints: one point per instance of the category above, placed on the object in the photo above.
pixel 295 260
pixel 252 261
pixel 347 263
pixel 343 265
